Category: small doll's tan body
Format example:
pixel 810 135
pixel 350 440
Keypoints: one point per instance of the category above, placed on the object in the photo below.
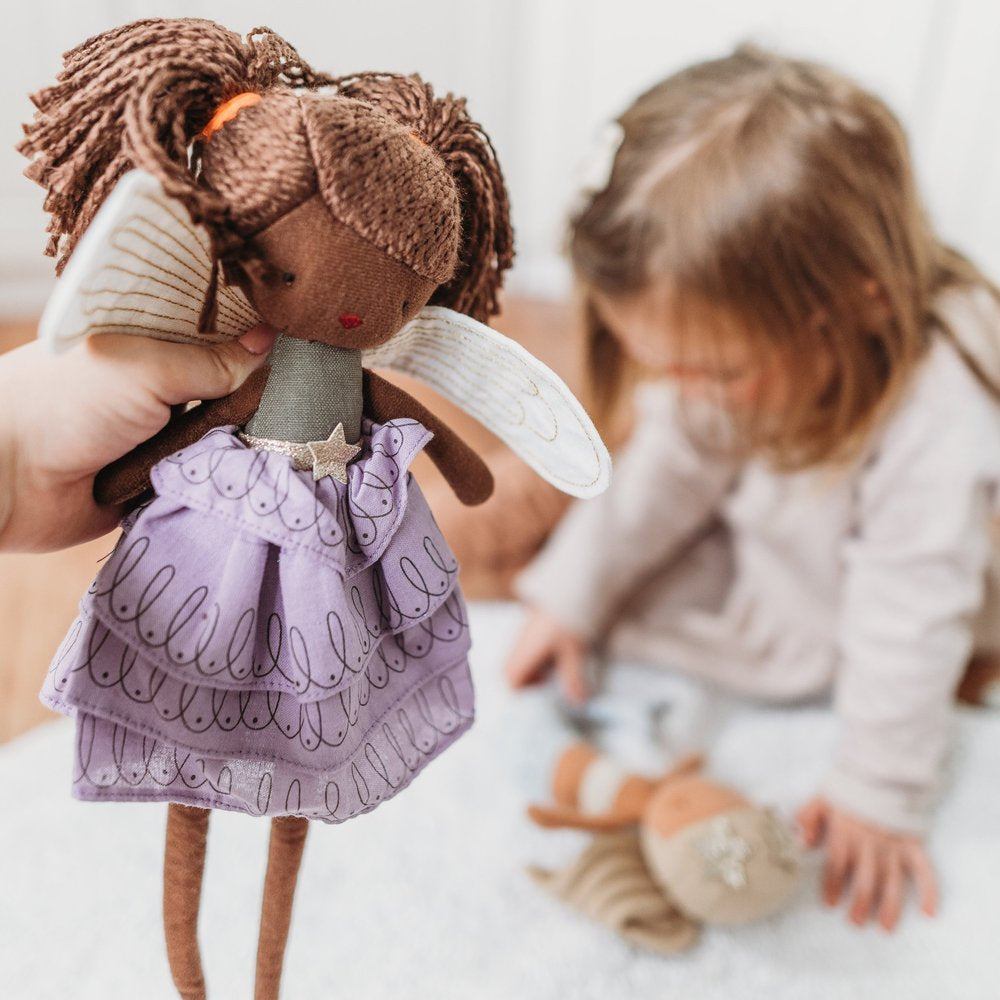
pixel 668 854
pixel 339 214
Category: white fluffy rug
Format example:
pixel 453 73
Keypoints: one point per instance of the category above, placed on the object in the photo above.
pixel 425 899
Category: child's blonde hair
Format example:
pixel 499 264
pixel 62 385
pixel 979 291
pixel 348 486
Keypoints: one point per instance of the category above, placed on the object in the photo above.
pixel 780 194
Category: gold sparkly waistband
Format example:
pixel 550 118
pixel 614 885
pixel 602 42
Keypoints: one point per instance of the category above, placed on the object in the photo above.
pixel 325 458
pixel 297 451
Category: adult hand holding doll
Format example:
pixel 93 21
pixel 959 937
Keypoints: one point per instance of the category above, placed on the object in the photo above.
pixel 63 418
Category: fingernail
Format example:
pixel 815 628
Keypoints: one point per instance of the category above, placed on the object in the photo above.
pixel 259 340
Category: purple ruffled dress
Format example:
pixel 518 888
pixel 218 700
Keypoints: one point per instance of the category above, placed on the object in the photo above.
pixel 265 643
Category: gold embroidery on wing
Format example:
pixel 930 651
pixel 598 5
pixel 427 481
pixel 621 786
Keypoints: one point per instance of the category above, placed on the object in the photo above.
pixel 484 365
pixel 232 308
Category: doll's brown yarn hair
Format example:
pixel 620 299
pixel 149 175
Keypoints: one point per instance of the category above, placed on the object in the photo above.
pixel 140 95
pixel 487 247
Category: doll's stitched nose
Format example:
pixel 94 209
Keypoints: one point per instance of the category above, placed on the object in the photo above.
pixel 350 321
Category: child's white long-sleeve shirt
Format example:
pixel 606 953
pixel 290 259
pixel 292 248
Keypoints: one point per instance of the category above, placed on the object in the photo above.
pixel 878 581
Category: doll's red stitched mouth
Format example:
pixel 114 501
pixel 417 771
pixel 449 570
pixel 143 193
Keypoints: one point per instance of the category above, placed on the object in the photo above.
pixel 350 321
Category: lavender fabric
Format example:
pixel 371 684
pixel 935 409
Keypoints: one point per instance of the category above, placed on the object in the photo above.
pixel 265 643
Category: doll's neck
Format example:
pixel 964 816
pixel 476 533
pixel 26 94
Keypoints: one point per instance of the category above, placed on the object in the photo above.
pixel 312 387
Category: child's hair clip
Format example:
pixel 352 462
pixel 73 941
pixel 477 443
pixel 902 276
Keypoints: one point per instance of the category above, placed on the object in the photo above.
pixel 595 170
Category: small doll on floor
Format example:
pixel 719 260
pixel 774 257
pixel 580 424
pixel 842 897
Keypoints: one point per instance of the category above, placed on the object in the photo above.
pixel 279 630
pixel 807 498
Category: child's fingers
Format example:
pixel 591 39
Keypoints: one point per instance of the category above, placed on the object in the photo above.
pixel 533 654
pixel 838 860
pixel 526 666
pixel 865 880
pixel 919 866
pixel 811 820
pixel 892 891
pixel 571 667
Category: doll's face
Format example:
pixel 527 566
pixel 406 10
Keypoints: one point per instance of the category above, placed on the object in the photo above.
pixel 322 281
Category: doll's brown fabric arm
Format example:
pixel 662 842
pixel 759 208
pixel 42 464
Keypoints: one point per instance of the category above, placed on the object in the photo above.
pixel 467 474
pixel 128 477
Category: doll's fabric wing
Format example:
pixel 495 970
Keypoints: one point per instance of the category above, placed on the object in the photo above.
pixel 142 268
pixel 507 390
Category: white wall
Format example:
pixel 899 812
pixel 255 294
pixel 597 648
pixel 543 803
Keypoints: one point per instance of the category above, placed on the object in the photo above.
pixel 543 74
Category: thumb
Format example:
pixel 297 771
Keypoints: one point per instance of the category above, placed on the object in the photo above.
pixel 177 373
pixel 218 369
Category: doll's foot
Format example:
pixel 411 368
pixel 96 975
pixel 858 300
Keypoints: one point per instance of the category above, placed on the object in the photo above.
pixel 981 684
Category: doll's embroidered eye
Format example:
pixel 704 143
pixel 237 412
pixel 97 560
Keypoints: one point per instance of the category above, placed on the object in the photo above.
pixel 406 305
pixel 288 278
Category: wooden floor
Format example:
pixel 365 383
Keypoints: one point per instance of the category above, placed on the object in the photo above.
pixel 39 593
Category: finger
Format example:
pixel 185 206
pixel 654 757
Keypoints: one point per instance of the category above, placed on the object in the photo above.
pixel 917 863
pixel 259 340
pixel 838 861
pixel 177 373
pixel 526 667
pixel 531 658
pixel 571 667
pixel 811 819
pixel 893 890
pixel 865 880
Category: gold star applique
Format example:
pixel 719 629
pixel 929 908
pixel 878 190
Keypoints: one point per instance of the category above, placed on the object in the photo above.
pixel 330 457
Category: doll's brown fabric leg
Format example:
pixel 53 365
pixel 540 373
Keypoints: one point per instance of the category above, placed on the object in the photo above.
pixel 288 838
pixel 183 865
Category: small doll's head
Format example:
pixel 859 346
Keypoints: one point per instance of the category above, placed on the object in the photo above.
pixel 760 239
pixel 340 206
pixel 716 856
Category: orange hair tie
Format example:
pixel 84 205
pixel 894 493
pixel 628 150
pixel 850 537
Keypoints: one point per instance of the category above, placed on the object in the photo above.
pixel 227 111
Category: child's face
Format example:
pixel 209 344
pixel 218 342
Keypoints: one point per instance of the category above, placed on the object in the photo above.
pixel 709 361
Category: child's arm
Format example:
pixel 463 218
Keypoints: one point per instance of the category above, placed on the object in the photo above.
pixel 914 580
pixel 665 487
pixel 63 418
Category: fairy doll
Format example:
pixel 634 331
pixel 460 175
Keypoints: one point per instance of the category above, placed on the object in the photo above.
pixel 279 630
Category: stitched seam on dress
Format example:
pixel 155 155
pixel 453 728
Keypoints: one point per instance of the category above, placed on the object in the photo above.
pixel 113 716
pixel 235 804
pixel 166 665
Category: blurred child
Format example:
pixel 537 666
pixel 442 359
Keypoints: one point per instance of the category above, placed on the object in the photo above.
pixel 806 496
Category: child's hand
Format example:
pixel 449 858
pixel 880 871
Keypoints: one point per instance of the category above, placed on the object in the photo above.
pixel 63 418
pixel 877 862
pixel 543 645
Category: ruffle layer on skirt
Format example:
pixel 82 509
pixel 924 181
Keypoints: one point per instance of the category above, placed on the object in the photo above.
pixel 262 642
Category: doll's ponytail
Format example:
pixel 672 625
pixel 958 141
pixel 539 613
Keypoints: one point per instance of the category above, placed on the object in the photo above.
pixel 138 96
pixel 486 248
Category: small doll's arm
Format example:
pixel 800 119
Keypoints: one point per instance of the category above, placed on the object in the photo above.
pixel 466 473
pixel 128 477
